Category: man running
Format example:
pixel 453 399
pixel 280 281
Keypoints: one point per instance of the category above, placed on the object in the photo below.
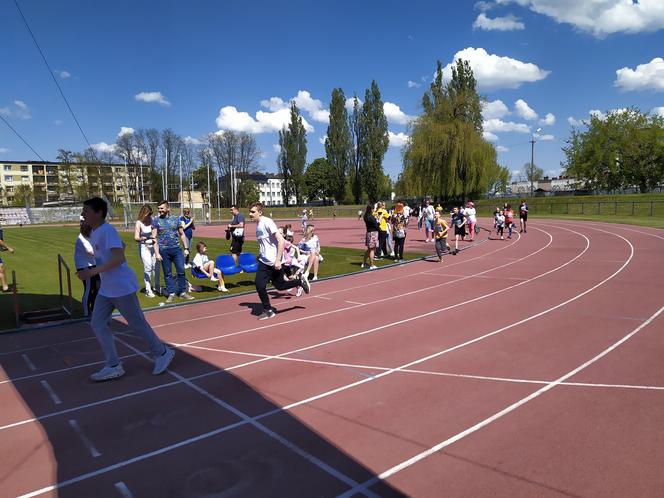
pixel 237 233
pixel 118 290
pixel 168 233
pixel 271 248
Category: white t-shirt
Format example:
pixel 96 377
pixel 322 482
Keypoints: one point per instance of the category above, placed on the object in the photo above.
pixel 121 280
pixel 471 214
pixel 429 212
pixel 200 260
pixel 266 236
pixel 82 250
pixel 406 211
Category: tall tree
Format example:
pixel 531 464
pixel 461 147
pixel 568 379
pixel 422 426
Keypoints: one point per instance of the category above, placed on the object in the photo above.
pixel 293 156
pixel 356 126
pixel 338 145
pixel 319 180
pixel 375 143
pixel 232 152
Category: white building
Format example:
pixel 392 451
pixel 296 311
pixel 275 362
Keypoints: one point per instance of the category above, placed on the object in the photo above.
pixel 269 188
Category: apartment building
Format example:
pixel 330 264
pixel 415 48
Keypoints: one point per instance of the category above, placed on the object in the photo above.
pixel 52 182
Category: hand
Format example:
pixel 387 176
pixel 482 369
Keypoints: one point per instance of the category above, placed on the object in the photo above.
pixel 186 251
pixel 85 274
pixel 277 265
pixel 158 257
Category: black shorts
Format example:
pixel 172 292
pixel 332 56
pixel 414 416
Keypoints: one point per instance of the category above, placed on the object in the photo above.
pixel 236 244
pixel 524 217
pixel 460 230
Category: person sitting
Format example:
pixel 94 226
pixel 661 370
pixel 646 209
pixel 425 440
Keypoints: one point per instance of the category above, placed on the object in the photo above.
pixel 206 266
pixel 310 246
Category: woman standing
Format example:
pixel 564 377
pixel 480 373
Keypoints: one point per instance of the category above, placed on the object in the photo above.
pixel 143 235
pixel 399 224
pixel 187 222
pixel 371 239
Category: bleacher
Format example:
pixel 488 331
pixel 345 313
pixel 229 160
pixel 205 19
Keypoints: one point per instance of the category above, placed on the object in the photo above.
pixel 14 216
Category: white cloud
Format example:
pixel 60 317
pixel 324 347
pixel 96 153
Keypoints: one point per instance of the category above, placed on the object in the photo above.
pixel 4 150
pixel 104 147
pixel 601 17
pixel 483 6
pixel 398 139
pixel 548 120
pixel 19 110
pixel 502 148
pixel 523 110
pixel 192 140
pixel 274 104
pixel 543 138
pixel 493 71
pixel 648 76
pixel 4 111
pixel 395 115
pixel 489 137
pixel 507 23
pixel 125 130
pixel 152 97
pixel 314 107
pixel 494 109
pixel 414 84
pixel 322 139
pixel 63 74
pixel 276 148
pixel 265 122
pixel 657 111
pixel 574 122
pixel 499 126
pixel 598 114
pixel 350 103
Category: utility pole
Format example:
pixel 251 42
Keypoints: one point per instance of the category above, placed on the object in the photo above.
pixel 532 164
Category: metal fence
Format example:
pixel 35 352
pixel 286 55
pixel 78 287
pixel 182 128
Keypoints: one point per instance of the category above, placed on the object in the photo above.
pixel 590 208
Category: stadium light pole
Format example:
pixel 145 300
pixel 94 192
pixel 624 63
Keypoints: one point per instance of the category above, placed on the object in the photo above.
pixel 532 159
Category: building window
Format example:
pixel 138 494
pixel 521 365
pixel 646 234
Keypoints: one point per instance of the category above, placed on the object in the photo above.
pixel 9 189
pixel 25 179
pixel 9 178
pixel 8 167
pixel 24 167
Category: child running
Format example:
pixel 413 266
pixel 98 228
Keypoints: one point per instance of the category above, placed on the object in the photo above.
pixel 459 223
pixel 440 230
pixel 500 223
pixel 206 266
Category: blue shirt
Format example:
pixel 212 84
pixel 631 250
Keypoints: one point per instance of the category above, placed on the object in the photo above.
pixel 167 231
pixel 189 231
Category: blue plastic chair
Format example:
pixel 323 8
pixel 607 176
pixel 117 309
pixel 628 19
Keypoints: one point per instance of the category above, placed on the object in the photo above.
pixel 248 262
pixel 195 272
pixel 226 264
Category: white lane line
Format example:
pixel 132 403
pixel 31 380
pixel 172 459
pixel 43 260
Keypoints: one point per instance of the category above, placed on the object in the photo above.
pixel 262 359
pixel 331 392
pixel 323 297
pixel 88 444
pixel 28 362
pixel 420 456
pixel 51 392
pixel 123 490
pixel 355 302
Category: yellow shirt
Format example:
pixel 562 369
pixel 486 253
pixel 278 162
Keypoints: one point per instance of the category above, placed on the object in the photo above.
pixel 440 230
pixel 382 216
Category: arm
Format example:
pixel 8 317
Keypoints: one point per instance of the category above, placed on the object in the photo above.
pixel 2 243
pixel 183 238
pixel 137 233
pixel 156 245
pixel 116 259
pixel 87 245
pixel 280 249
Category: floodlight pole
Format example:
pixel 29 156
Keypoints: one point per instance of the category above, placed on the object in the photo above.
pixel 532 164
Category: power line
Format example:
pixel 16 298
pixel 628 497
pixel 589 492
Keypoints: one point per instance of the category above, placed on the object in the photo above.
pixel 51 72
pixel 23 139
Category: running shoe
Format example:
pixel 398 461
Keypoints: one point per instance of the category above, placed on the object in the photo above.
pixel 186 297
pixel 304 283
pixel 170 298
pixel 373 267
pixel 108 373
pixel 222 289
pixel 161 363
pixel 298 293
pixel 315 278
pixel 214 279
pixel 267 314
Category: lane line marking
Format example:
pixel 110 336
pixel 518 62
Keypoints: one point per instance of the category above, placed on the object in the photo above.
pixel 88 444
pixel 31 365
pixel 51 392
pixel 123 490
pixel 420 456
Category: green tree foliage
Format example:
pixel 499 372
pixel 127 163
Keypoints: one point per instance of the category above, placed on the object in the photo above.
pixel 338 145
pixel 447 156
pixel 618 150
pixel 23 196
pixel 320 181
pixel 293 156
pixel 247 193
pixel 375 142
pixel 356 126
pixel 532 172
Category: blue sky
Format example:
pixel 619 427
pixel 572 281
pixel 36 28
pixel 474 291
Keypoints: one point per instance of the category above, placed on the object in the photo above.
pixel 201 66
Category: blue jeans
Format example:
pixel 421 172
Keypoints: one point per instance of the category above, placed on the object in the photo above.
pixel 173 255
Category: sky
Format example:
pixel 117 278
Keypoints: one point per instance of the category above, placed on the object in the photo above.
pixel 203 66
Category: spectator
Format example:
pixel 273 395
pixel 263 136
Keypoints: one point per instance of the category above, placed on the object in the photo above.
pixel 371 239
pixel 382 216
pixel 187 222
pixel 118 290
pixel 206 266
pixel 399 224
pixel 271 249
pixel 237 233
pixel 146 250
pixel 84 258
pixel 523 216
pixel 168 233
pixel 310 245
pixel 471 219
pixel 428 214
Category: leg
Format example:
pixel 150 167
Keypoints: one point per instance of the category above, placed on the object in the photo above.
pixel 99 323
pixel 178 259
pixel 263 275
pixel 86 295
pixel 146 257
pixel 166 261
pixel 3 280
pixel 316 263
pixel 277 279
pixel 156 269
pixel 131 310
pixel 95 284
pixel 186 261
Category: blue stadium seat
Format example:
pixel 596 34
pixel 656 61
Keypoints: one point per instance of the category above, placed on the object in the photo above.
pixel 226 264
pixel 248 262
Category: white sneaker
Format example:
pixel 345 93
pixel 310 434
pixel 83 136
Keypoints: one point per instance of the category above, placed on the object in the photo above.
pixel 149 293
pixel 373 267
pixel 426 240
pixel 108 373
pixel 187 266
pixel 298 293
pixel 362 265
pixel 161 363
pixel 222 289
pixel 315 278
pixel 214 279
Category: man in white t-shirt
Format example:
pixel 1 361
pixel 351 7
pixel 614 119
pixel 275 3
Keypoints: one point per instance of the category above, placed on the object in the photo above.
pixel 407 211
pixel 428 213
pixel 118 290
pixel 271 248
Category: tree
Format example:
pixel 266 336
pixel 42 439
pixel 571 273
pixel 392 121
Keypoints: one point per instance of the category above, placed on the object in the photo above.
pixel 618 150
pixel 532 172
pixel 65 183
pixel 293 156
pixel 318 180
pixel 338 146
pixel 23 196
pixel 356 125
pixel 247 193
pixel 375 142
pixel 232 153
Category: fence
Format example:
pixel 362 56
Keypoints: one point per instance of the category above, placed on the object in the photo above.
pixel 589 208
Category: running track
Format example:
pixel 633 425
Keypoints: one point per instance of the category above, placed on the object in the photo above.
pixel 530 367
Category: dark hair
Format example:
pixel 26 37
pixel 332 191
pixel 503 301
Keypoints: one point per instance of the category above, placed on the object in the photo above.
pixel 368 211
pixel 146 210
pixel 258 205
pixel 233 206
pixel 97 204
pixel 163 202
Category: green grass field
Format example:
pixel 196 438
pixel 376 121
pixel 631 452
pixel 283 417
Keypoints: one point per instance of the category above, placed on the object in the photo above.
pixel 35 263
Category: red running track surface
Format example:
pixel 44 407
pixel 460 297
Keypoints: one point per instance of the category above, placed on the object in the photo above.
pixel 526 367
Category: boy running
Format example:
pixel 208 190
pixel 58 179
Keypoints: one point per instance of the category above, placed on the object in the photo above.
pixel 440 230
pixel 271 250
pixel 118 290
pixel 459 223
